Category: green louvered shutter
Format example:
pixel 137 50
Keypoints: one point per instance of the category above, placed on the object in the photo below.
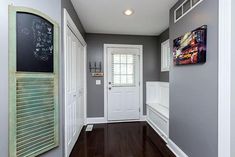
pixel 35 115
pixel 33 100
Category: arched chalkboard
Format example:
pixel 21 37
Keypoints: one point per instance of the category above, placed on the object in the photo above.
pixel 34 43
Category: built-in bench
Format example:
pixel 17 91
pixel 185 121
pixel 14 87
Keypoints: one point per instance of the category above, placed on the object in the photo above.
pixel 157 100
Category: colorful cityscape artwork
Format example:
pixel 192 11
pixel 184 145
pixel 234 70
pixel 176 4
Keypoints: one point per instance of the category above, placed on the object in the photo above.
pixel 191 47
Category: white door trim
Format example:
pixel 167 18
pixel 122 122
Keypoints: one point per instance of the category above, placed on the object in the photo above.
pixel 224 84
pixel 140 47
pixel 68 22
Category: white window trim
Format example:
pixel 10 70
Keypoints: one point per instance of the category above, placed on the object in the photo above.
pixel 183 14
pixel 163 67
pixel 106 46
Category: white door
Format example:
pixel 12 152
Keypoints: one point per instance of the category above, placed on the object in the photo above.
pixel 123 84
pixel 74 107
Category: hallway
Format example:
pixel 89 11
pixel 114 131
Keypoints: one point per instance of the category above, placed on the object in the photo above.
pixel 149 78
pixel 135 139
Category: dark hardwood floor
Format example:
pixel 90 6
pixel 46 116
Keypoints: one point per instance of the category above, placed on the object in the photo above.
pixel 135 139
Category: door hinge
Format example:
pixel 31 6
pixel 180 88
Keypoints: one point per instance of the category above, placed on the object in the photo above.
pixel 139 109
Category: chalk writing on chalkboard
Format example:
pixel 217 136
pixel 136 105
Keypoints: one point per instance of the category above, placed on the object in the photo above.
pixel 34 43
pixel 42 39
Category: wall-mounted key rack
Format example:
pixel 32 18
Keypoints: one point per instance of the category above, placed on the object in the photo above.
pixel 96 69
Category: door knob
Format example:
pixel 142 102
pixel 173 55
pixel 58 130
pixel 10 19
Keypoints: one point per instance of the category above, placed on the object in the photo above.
pixel 110 88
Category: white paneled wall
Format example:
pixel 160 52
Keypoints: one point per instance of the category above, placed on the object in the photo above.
pixel 157 100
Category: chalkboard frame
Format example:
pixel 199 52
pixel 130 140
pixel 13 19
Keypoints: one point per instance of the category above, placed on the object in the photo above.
pixel 13 75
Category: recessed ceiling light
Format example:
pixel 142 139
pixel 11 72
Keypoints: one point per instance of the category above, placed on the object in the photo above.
pixel 128 12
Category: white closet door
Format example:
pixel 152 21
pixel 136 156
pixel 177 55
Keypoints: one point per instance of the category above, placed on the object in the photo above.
pixel 74 90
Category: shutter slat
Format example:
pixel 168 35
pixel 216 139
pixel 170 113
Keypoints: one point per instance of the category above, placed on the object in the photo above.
pixel 34 148
pixel 35 113
pixel 20 83
pixel 35 108
pixel 36 128
pixel 29 91
pixel 32 134
pixel 30 86
pixel 32 97
pixel 23 118
pixel 34 100
pixel 36 118
pixel 34 94
pixel 31 141
pixel 25 125
pixel 22 107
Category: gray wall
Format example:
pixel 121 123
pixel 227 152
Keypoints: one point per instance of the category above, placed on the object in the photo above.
pixel 95 42
pixel 233 84
pixel 70 9
pixel 52 9
pixel 194 88
pixel 4 79
pixel 164 76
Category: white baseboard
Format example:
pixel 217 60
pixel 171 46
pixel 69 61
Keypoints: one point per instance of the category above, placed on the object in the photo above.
pixel 158 131
pixel 175 149
pixel 96 120
pixel 101 120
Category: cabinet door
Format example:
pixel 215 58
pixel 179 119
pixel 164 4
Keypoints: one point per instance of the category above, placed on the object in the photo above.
pixel 165 56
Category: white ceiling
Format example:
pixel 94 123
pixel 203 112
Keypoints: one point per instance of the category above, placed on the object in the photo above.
pixel 151 17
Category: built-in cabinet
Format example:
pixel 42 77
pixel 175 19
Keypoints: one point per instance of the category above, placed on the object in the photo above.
pixel 157 100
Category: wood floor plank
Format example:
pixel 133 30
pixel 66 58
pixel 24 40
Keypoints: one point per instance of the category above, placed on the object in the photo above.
pixel 135 139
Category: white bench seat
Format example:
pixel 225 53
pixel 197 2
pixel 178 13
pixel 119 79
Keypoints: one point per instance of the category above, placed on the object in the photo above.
pixel 157 100
pixel 160 109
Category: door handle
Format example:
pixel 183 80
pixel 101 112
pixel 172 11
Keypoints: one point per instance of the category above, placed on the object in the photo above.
pixel 110 88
